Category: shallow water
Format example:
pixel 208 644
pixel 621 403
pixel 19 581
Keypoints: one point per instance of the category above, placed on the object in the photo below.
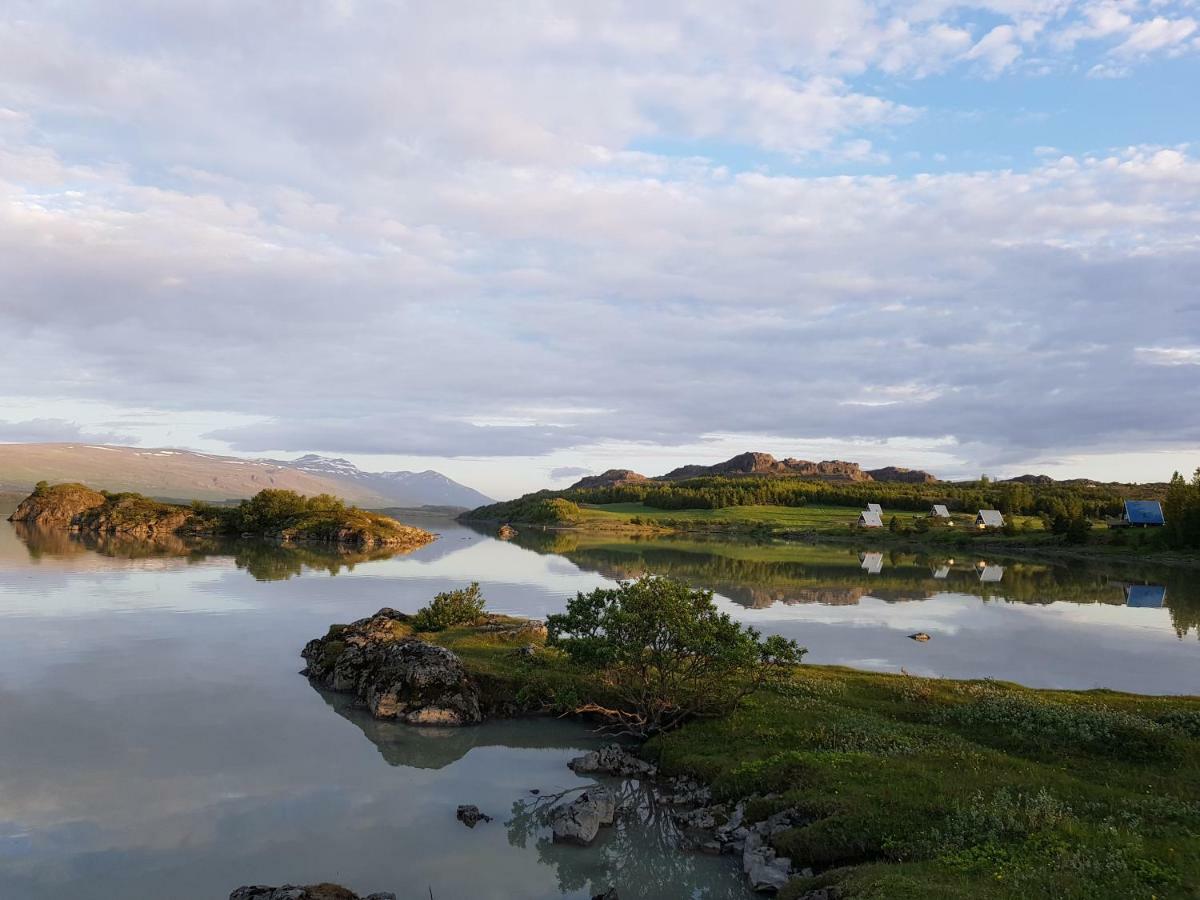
pixel 156 741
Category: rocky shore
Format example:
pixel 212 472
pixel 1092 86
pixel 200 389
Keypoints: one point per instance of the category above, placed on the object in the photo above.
pixel 400 676
pixel 323 891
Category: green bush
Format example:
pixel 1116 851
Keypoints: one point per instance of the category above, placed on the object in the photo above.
pixel 451 608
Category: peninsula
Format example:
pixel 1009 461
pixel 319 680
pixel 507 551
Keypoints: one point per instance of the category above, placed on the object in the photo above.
pixel 281 515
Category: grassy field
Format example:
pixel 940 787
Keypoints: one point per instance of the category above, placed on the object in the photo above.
pixel 920 788
pixel 811 517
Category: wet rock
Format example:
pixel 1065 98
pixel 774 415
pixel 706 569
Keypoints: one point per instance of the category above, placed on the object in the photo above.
pixel 610 894
pixel 324 891
pixel 470 815
pixel 395 675
pixel 580 820
pixel 506 532
pixel 919 636
pixel 612 760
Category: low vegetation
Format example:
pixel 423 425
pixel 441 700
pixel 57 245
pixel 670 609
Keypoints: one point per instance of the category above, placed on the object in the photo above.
pixel 908 787
pixel 451 608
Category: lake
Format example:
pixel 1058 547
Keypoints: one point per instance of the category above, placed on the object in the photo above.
pixel 157 741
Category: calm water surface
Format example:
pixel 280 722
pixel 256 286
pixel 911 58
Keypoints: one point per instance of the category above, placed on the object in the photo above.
pixel 156 741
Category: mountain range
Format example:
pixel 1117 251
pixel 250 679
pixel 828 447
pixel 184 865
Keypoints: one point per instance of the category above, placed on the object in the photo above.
pixel 186 474
pixel 764 464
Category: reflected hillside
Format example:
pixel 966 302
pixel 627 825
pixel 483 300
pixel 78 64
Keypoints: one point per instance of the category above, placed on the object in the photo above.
pixel 762 575
pixel 263 560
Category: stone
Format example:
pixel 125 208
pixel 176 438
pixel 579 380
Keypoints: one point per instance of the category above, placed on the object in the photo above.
pixel 580 820
pixel 470 815
pixel 919 636
pixel 612 760
pixel 610 894
pixel 395 676
pixel 506 532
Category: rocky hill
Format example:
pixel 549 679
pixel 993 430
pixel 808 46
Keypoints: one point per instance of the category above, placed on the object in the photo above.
pixel 187 475
pixel 611 478
pixel 766 464
pixel 898 473
pixel 762 465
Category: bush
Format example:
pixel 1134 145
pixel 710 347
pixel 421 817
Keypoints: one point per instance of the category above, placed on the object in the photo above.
pixel 665 652
pixel 451 608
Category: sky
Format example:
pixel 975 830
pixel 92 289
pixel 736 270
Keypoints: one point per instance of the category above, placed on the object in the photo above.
pixel 520 242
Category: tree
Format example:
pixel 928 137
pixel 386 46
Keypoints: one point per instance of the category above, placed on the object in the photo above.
pixel 665 652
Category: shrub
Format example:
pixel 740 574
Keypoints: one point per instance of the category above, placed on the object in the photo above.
pixel 665 652
pixel 451 608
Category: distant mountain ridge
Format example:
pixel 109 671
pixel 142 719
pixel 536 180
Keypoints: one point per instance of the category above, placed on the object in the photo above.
pixel 187 475
pixel 764 464
pixel 428 488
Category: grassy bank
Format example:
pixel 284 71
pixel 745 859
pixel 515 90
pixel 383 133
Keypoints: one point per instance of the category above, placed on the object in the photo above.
pixel 926 788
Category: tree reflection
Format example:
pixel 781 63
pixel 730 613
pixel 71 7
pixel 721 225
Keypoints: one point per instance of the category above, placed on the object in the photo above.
pixel 643 855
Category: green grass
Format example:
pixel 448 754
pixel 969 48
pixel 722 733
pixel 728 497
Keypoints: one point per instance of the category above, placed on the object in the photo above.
pixel 814 517
pixel 928 788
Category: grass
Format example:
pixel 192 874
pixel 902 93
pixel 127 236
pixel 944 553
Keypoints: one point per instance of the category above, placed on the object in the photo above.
pixel 814 517
pixel 928 788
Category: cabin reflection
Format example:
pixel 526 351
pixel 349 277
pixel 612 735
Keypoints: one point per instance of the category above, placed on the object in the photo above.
pixel 872 563
pixel 1145 596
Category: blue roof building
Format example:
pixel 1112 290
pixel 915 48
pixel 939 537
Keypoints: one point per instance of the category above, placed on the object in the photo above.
pixel 1144 512
pixel 1145 596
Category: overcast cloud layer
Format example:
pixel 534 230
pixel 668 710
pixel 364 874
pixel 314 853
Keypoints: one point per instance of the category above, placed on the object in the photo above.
pixel 531 230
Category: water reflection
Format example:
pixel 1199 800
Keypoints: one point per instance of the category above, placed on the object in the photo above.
pixel 642 855
pixel 763 575
pixel 263 559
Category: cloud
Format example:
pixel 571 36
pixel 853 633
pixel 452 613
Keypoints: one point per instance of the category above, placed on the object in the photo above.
pixel 57 431
pixel 997 49
pixel 1156 34
pixel 398 231
pixel 563 473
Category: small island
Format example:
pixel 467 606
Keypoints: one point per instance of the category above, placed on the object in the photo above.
pixel 280 515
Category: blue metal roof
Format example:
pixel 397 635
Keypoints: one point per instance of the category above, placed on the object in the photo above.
pixel 1144 512
pixel 1145 596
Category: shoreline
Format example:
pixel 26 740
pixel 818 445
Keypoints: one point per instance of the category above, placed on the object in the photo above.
pixel 846 767
pixel 875 538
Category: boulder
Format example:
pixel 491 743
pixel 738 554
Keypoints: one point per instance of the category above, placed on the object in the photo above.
pixel 470 815
pixel 395 675
pixel 580 820
pixel 919 636
pixel 612 760
pixel 323 891
pixel 506 532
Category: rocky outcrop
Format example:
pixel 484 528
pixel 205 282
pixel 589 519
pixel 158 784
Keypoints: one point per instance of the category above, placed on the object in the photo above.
pixel 395 675
pixel 766 464
pixel 506 532
pixel 580 820
pixel 60 506
pixel 899 473
pixel 611 478
pixel 324 891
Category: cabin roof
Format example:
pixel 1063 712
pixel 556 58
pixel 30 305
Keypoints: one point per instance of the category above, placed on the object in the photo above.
pixel 1145 596
pixel 870 518
pixel 991 573
pixel 875 507
pixel 872 562
pixel 1144 512
pixel 991 518
pixel 939 509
